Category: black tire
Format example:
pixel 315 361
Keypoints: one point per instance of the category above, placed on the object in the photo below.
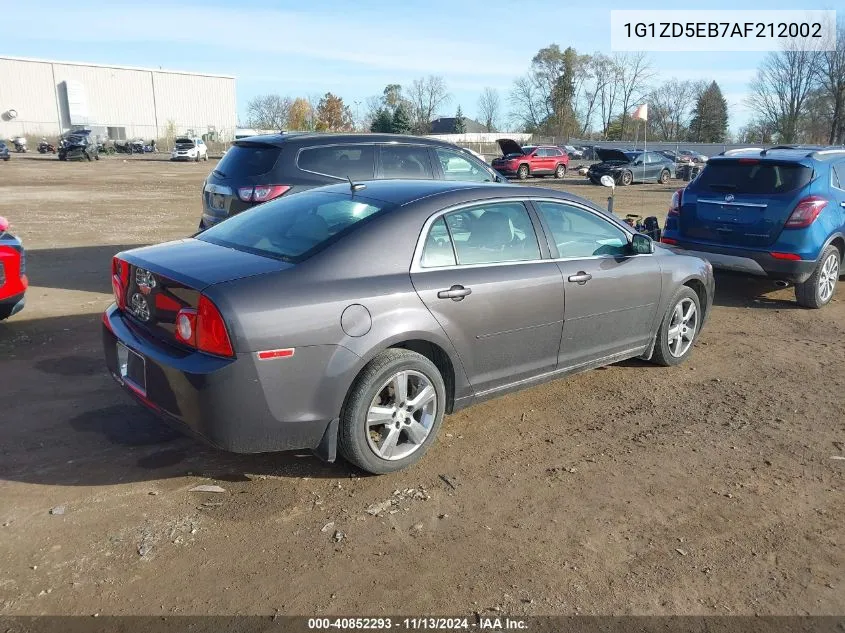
pixel 6 158
pixel 809 294
pixel 352 440
pixel 626 178
pixel 663 354
pixel 197 159
pixel 97 156
pixel 522 173
pixel 560 172
pixel 664 177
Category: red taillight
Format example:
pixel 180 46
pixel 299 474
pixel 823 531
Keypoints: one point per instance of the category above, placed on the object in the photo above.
pixel 262 193
pixel 203 329
pixel 806 212
pixel 675 205
pixel 119 280
pixel 211 334
pixel 789 256
pixel 186 326
pixel 668 240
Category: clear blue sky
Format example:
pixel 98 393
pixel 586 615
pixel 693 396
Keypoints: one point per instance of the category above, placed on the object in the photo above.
pixel 353 48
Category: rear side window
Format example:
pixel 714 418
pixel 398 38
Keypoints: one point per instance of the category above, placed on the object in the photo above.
pixel 758 177
pixel 248 160
pixel 341 161
pixel 839 176
pixel 291 229
pixel 438 250
pixel 405 161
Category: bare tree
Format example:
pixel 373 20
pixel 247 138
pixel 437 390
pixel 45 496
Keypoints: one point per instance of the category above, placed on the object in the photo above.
pixel 608 77
pixel 268 112
pixel 426 95
pixel 489 106
pixel 593 83
pixel 780 90
pixel 634 73
pixel 832 80
pixel 670 107
pixel 528 109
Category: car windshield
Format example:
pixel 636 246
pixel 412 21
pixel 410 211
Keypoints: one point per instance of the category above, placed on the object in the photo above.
pixel 292 229
pixel 632 156
pixel 185 140
pixel 755 177
pixel 527 149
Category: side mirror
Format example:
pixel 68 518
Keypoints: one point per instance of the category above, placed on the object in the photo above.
pixel 637 163
pixel 608 181
pixel 642 244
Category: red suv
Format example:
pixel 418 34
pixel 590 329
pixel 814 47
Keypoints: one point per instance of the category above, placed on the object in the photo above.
pixel 531 160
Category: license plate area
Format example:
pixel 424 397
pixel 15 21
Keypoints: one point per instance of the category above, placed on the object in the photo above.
pixel 132 369
pixel 217 201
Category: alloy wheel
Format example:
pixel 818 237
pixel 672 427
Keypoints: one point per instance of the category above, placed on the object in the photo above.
pixel 828 277
pixel 401 415
pixel 682 327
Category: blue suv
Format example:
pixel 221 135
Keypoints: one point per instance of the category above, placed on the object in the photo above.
pixel 778 213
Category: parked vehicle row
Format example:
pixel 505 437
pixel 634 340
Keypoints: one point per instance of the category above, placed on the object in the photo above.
pixel 631 166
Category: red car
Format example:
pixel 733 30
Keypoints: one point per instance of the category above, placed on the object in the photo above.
pixel 13 281
pixel 531 160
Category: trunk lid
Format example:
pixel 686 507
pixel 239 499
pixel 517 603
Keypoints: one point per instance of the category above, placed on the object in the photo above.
pixel 165 278
pixel 743 202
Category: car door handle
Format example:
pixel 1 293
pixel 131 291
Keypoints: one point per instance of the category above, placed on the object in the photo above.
pixel 455 293
pixel 581 278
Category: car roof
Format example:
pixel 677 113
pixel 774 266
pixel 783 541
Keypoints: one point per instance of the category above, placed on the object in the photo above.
pixel 795 153
pixel 403 192
pixel 316 138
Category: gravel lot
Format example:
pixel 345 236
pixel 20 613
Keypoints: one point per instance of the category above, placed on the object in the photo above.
pixel 708 488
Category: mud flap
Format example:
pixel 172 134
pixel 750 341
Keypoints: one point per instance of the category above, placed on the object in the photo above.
pixel 327 448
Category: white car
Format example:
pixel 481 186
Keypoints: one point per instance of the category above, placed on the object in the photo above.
pixel 187 148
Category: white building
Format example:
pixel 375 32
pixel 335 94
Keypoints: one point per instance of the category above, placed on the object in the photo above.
pixel 46 98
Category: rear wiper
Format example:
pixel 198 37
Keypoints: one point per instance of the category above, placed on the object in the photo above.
pixel 724 187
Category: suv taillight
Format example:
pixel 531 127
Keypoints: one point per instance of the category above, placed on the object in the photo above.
pixel 204 329
pixel 262 193
pixel 675 205
pixel 806 212
pixel 119 280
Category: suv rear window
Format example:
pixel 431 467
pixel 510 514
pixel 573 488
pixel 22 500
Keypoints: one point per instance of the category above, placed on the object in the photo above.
pixel 292 229
pixel 762 177
pixel 341 161
pixel 252 159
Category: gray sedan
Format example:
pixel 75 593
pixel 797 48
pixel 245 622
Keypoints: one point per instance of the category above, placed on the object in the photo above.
pixel 351 318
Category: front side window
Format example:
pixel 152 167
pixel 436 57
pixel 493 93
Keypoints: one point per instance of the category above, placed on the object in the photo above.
pixel 458 167
pixel 292 228
pixel 493 233
pixel 579 233
pixel 341 161
pixel 405 161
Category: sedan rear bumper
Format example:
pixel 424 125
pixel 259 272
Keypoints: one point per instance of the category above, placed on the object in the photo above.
pixel 241 405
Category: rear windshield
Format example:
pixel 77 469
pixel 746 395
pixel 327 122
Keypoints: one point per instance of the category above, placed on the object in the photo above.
pixel 251 159
pixel 292 229
pixel 735 176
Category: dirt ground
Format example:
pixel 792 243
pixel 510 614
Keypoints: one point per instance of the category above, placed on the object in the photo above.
pixel 707 488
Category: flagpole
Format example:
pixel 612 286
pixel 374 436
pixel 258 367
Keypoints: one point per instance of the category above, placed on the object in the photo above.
pixel 645 142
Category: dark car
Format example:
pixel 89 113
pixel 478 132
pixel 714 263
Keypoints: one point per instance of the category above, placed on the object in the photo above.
pixel 354 316
pixel 631 166
pixel 4 151
pixel 261 168
pixel 13 281
pixel 530 160
pixel 777 213
pixel 79 145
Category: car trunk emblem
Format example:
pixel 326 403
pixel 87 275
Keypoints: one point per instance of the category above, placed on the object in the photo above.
pixel 729 197
pixel 145 280
pixel 139 307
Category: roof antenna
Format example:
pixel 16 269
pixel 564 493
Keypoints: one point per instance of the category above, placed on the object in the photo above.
pixel 355 186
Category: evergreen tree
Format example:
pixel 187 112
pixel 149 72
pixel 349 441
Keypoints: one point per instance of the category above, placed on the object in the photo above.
pixel 710 116
pixel 460 124
pixel 383 122
pixel 401 123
